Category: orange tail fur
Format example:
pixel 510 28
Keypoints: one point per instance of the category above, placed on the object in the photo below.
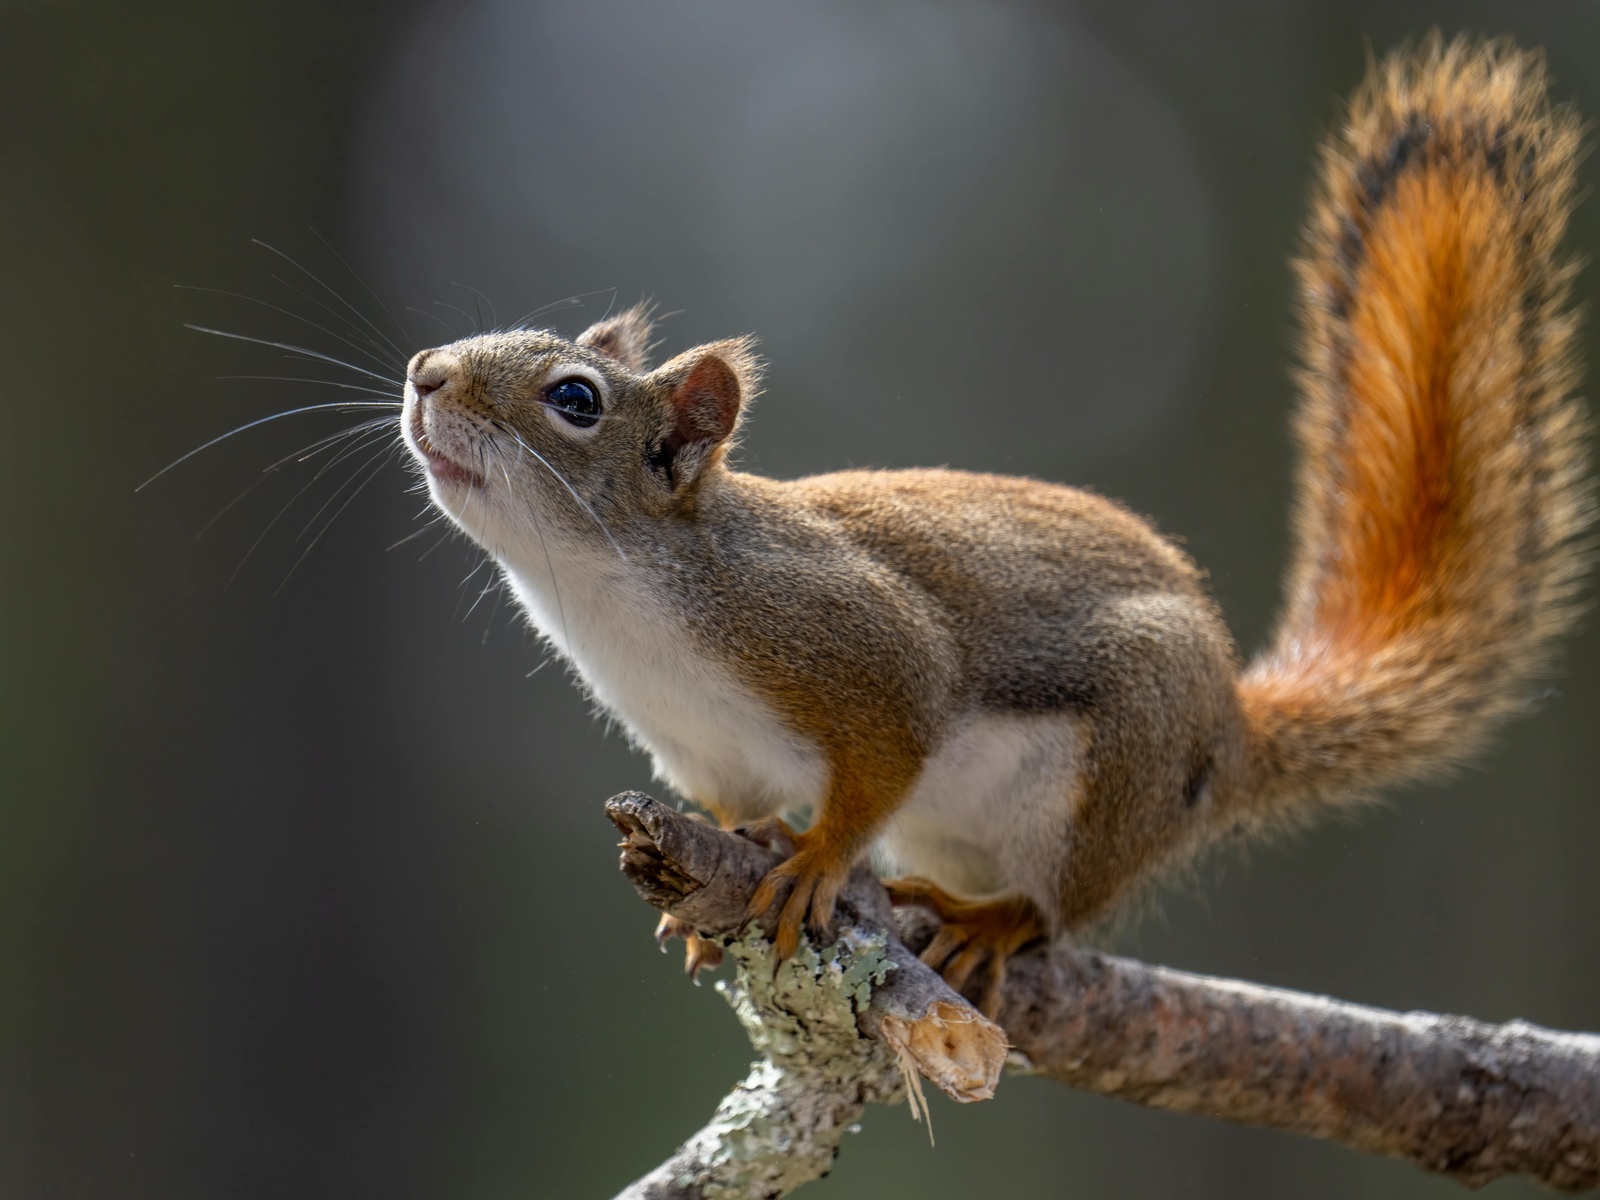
pixel 1442 487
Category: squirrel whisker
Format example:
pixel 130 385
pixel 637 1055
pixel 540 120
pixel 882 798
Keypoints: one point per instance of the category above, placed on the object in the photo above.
pixel 370 350
pixel 378 300
pixel 334 406
pixel 300 350
pixel 383 455
pixel 400 353
pixel 305 453
pixel 582 503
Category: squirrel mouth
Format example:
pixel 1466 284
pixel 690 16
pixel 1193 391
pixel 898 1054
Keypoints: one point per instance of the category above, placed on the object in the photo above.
pixel 440 465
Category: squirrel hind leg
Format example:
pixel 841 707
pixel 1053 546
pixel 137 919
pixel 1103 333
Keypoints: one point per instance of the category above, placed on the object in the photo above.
pixel 974 933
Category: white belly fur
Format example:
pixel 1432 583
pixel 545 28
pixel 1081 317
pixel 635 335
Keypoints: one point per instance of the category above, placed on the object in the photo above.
pixel 710 738
pixel 989 815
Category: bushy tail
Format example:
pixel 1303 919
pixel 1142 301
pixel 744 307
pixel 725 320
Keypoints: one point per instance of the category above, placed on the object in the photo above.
pixel 1443 484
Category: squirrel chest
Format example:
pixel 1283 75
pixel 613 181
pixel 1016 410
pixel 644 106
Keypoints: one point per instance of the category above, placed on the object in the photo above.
pixel 988 810
pixel 708 735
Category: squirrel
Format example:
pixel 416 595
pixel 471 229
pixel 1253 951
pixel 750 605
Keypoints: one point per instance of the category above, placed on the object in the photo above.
pixel 1019 697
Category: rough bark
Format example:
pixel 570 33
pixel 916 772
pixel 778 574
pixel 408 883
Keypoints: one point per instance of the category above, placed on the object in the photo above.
pixel 836 1029
pixel 781 1125
pixel 1455 1096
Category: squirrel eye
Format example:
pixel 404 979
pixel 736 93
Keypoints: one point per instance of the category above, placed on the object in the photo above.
pixel 575 400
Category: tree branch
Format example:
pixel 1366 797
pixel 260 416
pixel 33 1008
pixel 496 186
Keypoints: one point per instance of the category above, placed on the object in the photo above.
pixel 1456 1096
pixel 836 1029
pixel 1465 1099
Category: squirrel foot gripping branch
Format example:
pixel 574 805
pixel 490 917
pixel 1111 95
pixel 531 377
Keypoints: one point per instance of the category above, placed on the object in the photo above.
pixel 857 1022
pixel 1458 1097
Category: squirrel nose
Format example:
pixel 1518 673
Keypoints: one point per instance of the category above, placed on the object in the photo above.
pixel 429 372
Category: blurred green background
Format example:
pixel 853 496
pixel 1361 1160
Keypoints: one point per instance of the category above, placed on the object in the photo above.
pixel 306 891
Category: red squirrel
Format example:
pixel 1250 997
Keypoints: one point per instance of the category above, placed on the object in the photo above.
pixel 1019 696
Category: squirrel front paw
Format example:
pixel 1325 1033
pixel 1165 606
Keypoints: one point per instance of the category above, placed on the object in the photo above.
pixel 808 884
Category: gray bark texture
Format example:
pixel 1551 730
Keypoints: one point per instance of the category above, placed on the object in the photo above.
pixel 860 1020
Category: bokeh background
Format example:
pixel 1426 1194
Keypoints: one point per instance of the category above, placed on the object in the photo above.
pixel 305 888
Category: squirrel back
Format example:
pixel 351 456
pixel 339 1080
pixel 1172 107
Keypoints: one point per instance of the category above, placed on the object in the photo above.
pixel 1442 491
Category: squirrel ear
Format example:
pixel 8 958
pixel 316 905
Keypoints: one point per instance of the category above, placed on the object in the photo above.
pixel 707 388
pixel 624 337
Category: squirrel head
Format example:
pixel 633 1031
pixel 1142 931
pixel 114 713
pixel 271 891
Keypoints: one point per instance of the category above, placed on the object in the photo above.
pixel 577 438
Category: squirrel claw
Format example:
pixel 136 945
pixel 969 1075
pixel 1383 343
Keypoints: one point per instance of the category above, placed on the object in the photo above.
pixel 808 884
pixel 974 934
pixel 670 927
pixel 699 954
